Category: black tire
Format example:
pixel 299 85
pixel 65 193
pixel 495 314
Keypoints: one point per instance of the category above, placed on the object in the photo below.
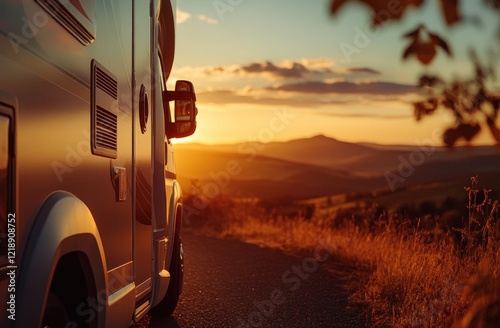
pixel 55 315
pixel 167 305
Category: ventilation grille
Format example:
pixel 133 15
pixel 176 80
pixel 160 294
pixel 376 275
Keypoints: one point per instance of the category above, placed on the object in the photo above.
pixel 104 112
pixel 106 130
pixel 64 17
pixel 106 83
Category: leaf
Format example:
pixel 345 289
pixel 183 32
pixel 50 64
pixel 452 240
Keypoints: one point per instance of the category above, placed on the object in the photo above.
pixel 424 45
pixel 465 130
pixel 495 132
pixel 478 99
pixel 438 41
pixel 495 4
pixel 429 81
pixel 426 107
pixel 450 137
pixel 495 103
pixel 468 130
pixel 382 10
pixel 451 11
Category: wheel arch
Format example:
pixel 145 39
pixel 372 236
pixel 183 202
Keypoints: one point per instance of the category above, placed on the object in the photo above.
pixel 64 226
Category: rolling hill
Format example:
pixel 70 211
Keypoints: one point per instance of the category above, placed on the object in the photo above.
pixel 324 166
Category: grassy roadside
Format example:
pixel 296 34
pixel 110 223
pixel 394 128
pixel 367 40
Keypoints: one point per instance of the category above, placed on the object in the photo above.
pixel 402 275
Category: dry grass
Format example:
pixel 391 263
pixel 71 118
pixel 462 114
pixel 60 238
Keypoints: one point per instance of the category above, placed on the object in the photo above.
pixel 400 275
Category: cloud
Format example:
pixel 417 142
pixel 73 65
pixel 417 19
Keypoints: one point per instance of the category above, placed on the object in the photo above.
pixel 341 98
pixel 317 62
pixel 348 112
pixel 302 83
pixel 345 87
pixel 229 96
pixel 207 19
pixel 304 69
pixel 182 16
pixel 296 70
pixel 366 70
pixel 286 70
pixel 219 69
pixel 262 97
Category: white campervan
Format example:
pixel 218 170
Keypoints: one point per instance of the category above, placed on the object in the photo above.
pixel 90 209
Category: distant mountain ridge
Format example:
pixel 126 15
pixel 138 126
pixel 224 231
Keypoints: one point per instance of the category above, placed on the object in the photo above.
pixel 320 165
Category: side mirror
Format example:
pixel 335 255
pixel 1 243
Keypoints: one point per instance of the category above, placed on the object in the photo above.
pixel 185 111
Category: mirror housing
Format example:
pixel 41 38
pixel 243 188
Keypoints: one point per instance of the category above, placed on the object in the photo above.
pixel 185 111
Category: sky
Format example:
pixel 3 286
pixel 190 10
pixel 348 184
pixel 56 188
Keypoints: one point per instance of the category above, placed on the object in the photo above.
pixel 285 69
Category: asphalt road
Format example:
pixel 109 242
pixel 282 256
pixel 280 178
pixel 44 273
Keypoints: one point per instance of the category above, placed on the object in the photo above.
pixel 232 284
